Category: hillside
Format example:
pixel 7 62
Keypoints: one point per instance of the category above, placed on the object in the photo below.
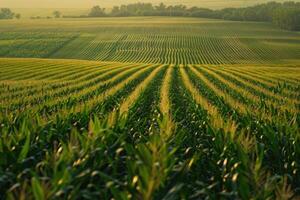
pixel 150 40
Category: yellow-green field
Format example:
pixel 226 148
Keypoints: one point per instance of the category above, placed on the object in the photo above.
pixel 150 40
pixel 148 108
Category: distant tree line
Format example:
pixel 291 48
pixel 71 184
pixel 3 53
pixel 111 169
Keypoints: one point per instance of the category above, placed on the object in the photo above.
pixel 56 14
pixel 286 15
pixel 6 13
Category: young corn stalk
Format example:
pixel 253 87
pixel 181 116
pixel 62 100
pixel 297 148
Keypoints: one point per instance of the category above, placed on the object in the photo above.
pixel 216 119
pixel 231 101
pixel 138 90
pixel 154 162
pixel 165 102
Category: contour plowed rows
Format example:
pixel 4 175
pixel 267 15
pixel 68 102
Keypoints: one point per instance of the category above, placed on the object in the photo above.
pixel 156 48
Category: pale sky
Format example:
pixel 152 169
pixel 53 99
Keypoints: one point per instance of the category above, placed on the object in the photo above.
pixel 110 3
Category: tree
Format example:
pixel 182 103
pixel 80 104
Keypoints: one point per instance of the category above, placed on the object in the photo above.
pixel 57 14
pixel 18 16
pixel 115 11
pixel 161 7
pixel 288 18
pixel 96 11
pixel 6 13
pixel 285 15
pixel 201 12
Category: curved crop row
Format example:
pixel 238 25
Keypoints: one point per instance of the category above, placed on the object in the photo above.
pixel 149 130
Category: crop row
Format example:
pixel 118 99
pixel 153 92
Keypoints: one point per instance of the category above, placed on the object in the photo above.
pixel 163 49
pixel 166 45
pixel 147 131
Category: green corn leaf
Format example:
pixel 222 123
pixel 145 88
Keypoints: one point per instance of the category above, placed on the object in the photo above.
pixel 25 148
pixel 37 189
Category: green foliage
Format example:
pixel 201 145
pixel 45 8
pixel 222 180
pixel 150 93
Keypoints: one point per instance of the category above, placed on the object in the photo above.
pixel 96 11
pixel 285 15
pixel 288 18
pixel 18 16
pixel 56 14
pixel 26 146
pixel 37 189
pixel 6 13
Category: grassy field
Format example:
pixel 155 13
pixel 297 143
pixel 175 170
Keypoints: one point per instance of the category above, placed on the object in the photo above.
pixel 150 40
pixel 148 108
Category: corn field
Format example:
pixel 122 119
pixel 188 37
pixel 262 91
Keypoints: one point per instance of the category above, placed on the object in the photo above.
pixel 150 40
pixel 75 129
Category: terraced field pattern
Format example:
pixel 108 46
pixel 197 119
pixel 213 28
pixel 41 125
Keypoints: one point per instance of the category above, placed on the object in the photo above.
pixel 148 108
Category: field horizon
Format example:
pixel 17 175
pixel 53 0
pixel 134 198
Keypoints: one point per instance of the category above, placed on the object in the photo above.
pixel 32 10
pixel 215 4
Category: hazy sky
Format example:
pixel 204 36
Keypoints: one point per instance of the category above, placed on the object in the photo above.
pixel 109 3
